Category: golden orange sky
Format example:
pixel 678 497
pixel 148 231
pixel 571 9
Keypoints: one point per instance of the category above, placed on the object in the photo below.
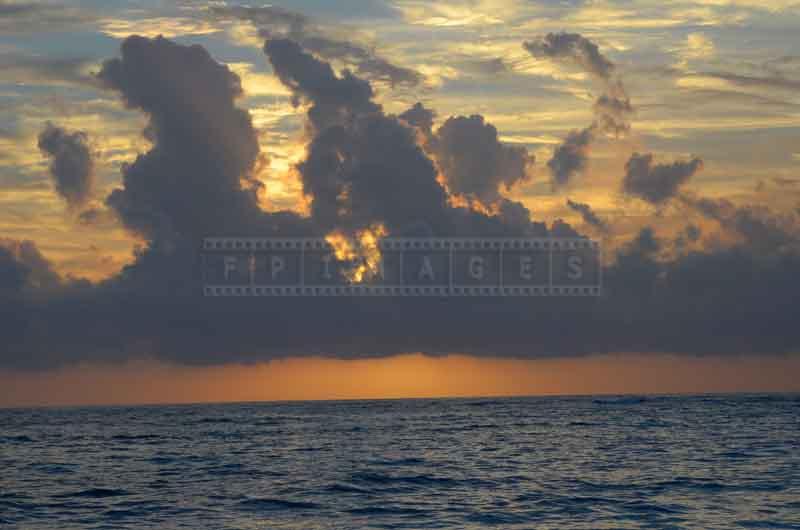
pixel 405 376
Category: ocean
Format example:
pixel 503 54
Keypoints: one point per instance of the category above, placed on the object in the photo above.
pixel 700 462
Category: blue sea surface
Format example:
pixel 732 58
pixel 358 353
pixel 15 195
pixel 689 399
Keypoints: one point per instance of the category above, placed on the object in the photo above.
pixel 701 462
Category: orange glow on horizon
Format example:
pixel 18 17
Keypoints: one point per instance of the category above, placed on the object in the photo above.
pixel 405 376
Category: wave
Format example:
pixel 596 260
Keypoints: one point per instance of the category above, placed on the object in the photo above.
pixel 632 400
pixel 268 504
pixel 97 493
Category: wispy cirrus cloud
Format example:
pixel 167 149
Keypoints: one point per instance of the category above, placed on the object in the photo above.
pixel 120 28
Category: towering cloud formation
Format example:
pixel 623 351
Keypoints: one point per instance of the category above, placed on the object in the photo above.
pixel 365 167
pixel 656 183
pixel 588 215
pixel 612 109
pixel 195 181
pixel 279 23
pixel 72 165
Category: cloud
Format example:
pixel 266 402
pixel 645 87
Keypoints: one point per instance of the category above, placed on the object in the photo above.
pixel 13 274
pixel 612 109
pixel 365 167
pixel 421 117
pixel 362 165
pixel 612 113
pixel 588 215
pixel 23 266
pixel 769 82
pixel 656 183
pixel 333 98
pixel 699 46
pixel 469 155
pixel 72 165
pixel 204 147
pixel 31 69
pixel 157 26
pixel 758 229
pixel 30 17
pixel 275 23
pixel 450 14
pixel 570 157
pixel 574 48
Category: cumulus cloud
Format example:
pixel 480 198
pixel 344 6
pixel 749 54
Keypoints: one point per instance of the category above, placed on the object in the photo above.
pixel 657 183
pixel 365 167
pixel 72 166
pixel 474 162
pixel 196 180
pixel 469 155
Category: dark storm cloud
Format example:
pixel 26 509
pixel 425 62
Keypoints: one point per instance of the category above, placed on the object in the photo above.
pixel 739 299
pixel 362 166
pixel 657 183
pixel 365 167
pixel 473 160
pixel 276 22
pixel 588 215
pixel 572 47
pixel 72 165
pixel 190 184
pixel 570 157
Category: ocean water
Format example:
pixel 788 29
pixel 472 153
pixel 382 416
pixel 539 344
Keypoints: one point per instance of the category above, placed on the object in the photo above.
pixel 700 462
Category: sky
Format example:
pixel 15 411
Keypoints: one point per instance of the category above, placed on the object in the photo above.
pixel 669 131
